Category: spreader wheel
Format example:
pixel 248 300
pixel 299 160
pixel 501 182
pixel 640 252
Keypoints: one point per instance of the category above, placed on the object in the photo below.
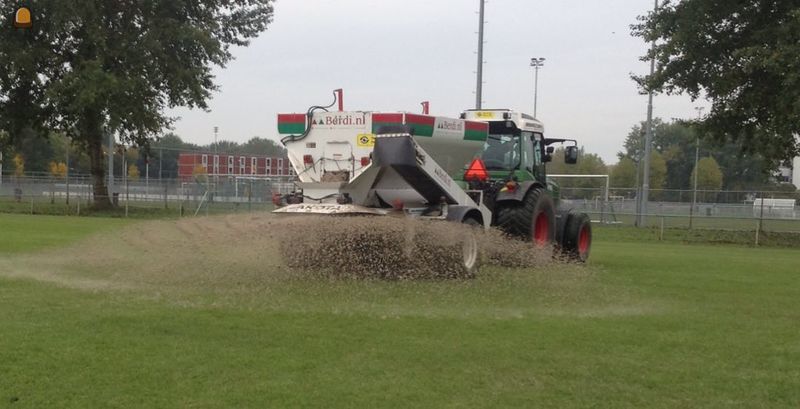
pixel 470 251
pixel 577 243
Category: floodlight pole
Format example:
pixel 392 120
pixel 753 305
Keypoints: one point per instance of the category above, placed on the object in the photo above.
pixel 696 160
pixel 536 63
pixel 67 174
pixel 648 142
pixel 110 162
pixel 479 85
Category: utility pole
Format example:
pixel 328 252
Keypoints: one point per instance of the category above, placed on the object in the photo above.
pixel 110 162
pixel 648 143
pixel 69 144
pixel 696 160
pixel 536 63
pixel 479 86
pixel 215 165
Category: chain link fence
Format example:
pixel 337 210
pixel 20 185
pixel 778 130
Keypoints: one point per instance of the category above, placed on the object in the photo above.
pixel 752 211
pixel 37 194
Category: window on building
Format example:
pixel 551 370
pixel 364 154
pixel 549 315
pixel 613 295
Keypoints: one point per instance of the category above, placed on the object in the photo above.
pixel 205 161
pixel 242 165
pixel 216 164
pixel 253 166
pixel 280 167
pixel 230 165
pixel 269 167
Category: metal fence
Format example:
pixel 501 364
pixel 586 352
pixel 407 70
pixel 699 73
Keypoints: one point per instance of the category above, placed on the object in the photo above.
pixel 776 211
pixel 51 195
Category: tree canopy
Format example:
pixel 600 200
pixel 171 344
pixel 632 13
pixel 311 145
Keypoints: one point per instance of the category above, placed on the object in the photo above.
pixel 676 142
pixel 744 56
pixel 92 67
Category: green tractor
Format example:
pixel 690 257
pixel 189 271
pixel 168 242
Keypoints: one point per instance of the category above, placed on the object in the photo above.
pixel 511 177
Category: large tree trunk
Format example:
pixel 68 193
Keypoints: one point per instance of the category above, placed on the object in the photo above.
pixel 93 132
pixel 101 199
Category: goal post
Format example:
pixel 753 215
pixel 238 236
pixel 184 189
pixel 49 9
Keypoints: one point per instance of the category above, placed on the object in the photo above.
pixel 607 179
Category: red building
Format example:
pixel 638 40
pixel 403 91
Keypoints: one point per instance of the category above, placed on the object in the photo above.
pixel 223 164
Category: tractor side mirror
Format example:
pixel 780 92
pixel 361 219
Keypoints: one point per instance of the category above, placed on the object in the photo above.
pixel 571 155
pixel 548 154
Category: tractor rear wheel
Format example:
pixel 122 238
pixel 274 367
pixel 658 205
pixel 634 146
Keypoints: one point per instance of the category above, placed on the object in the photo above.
pixel 534 219
pixel 577 242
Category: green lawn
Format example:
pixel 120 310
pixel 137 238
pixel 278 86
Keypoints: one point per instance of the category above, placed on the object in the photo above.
pixel 646 324
pixel 22 233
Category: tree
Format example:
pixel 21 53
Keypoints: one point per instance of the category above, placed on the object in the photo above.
pixel 709 175
pixel 658 172
pixel 588 164
pixel 263 146
pixel 133 172
pixel 623 174
pixel 93 67
pixel 676 142
pixel 743 57
pixel 19 165
pixel 58 170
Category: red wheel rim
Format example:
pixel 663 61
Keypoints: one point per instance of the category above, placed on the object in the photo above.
pixel 541 230
pixel 583 240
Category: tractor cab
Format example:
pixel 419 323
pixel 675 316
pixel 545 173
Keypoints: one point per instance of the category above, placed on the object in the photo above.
pixel 516 147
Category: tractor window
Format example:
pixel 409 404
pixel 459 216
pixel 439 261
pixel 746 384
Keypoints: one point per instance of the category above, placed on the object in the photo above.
pixel 501 152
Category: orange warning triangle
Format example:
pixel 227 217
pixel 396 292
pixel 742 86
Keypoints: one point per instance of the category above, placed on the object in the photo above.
pixel 476 172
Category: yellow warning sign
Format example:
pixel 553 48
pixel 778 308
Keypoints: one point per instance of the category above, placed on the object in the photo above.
pixel 485 114
pixel 365 140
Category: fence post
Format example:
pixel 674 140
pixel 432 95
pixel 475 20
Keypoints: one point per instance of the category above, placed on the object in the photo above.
pixel 31 205
pixel 661 236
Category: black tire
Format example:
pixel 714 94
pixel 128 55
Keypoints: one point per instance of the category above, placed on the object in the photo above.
pixel 577 243
pixel 534 219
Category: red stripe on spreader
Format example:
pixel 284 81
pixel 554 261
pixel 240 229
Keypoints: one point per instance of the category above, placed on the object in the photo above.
pixel 477 126
pixel 420 119
pixel 291 118
pixel 387 118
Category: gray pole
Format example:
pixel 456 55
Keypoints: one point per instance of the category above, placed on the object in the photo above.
pixel 648 143
pixel 479 86
pixel 110 162
pixel 696 159
pixel 67 175
pixel 536 63
pixel 536 92
pixel 215 163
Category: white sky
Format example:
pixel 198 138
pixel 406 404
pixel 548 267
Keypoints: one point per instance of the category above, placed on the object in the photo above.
pixel 391 55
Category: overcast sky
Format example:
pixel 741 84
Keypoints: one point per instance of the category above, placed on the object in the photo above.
pixel 390 55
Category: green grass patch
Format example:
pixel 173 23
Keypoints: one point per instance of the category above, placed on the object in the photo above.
pixel 646 324
pixel 697 236
pixel 23 233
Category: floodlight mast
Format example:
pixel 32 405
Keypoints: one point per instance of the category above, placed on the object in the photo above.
pixel 479 85
pixel 536 63
pixel 648 143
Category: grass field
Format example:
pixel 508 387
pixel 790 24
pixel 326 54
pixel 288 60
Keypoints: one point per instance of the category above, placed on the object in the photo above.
pixel 104 313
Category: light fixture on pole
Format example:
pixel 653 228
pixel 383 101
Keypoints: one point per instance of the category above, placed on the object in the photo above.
pixel 536 63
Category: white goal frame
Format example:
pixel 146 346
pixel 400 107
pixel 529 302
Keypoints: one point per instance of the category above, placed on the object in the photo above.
pixel 605 192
